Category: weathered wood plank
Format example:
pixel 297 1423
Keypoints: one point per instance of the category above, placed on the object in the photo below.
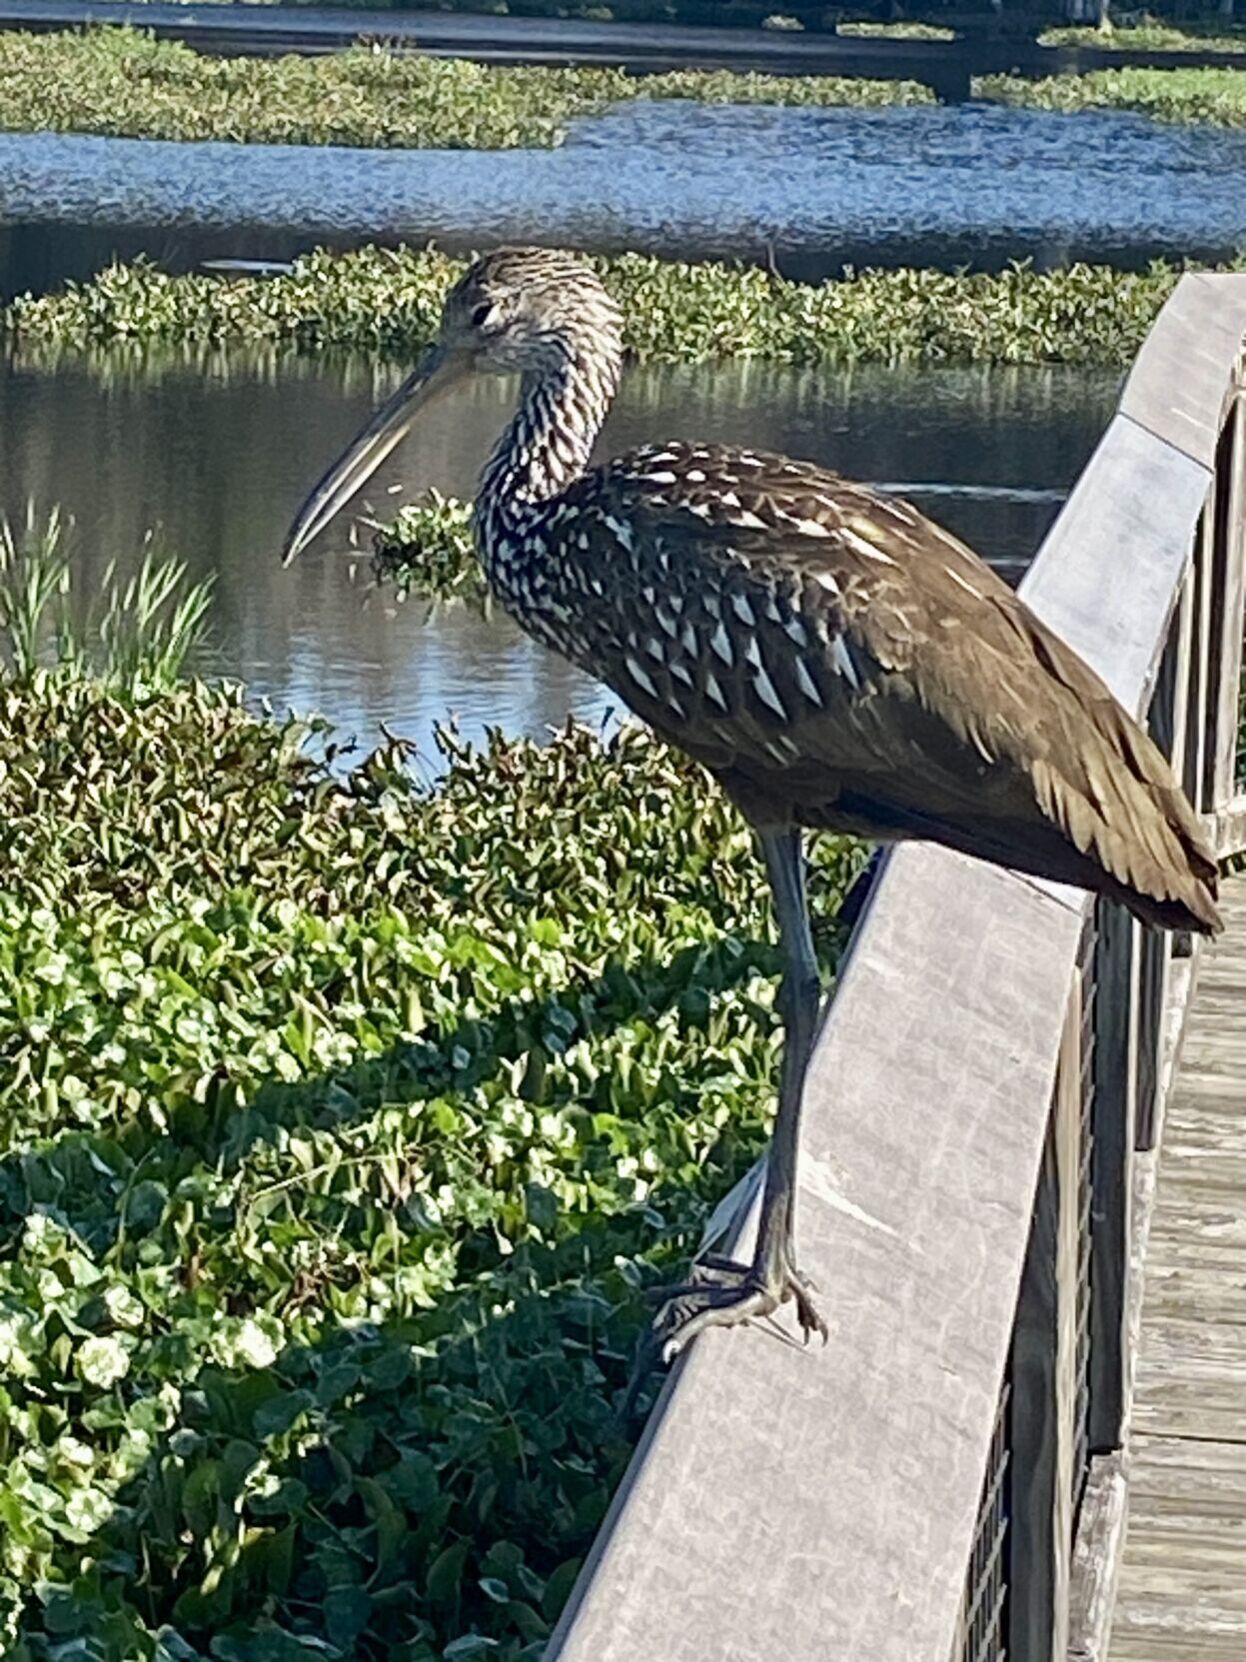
pixel 1231 827
pixel 1137 493
pixel 1043 1384
pixel 1210 1474
pixel 1037 1434
pixel 1212 1216
pixel 1182 1585
pixel 1176 387
pixel 1211 1424
pixel 1194 772
pixel 1195 1594
pixel 1097 1559
pixel 916 1186
pixel 1147 1645
pixel 1210 1382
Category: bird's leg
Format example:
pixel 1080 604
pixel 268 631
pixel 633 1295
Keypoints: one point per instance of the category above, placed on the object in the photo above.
pixel 722 1294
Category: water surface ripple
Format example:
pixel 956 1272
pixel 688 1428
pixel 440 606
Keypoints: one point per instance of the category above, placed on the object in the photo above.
pixel 951 184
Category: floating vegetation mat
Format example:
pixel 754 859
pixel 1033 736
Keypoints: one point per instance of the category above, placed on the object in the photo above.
pixel 389 301
pixel 427 551
pixel 125 83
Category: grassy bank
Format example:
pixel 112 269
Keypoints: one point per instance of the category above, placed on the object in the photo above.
pixel 341 1121
pixel 389 302
pixel 127 84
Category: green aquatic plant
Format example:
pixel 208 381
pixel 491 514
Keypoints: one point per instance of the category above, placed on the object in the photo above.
pixel 895 31
pixel 427 550
pixel 34 574
pixel 134 635
pixel 1215 96
pixel 344 1118
pixel 126 83
pixel 388 301
pixel 1151 36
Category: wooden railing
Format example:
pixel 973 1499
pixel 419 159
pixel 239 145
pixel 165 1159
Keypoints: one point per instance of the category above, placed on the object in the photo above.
pixel 945 1479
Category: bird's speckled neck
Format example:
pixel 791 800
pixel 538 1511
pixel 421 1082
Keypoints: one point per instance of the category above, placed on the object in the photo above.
pixel 545 447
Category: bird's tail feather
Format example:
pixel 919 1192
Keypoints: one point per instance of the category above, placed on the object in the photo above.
pixel 1118 825
pixel 1125 812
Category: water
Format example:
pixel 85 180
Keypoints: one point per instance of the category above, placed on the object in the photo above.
pixel 809 188
pixel 215 454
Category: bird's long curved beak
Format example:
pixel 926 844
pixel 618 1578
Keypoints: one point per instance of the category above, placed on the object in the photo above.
pixel 441 369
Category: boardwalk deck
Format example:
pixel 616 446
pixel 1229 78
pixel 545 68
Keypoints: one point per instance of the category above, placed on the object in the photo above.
pixel 1182 1589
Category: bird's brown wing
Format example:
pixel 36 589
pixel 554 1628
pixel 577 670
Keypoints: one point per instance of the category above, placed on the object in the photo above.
pixel 833 654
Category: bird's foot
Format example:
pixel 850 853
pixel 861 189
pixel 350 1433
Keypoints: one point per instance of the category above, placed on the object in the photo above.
pixel 722 1293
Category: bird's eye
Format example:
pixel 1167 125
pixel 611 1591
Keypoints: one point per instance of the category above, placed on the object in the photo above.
pixel 481 315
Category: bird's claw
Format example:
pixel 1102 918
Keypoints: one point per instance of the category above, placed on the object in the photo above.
pixel 721 1293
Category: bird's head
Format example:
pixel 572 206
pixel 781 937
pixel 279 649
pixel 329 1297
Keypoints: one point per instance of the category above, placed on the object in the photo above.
pixel 530 311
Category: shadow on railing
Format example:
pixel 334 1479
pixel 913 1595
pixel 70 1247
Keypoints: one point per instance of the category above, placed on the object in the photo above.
pixel 945 1480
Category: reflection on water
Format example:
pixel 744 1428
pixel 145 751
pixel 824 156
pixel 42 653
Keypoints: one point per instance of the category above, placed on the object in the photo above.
pixel 216 454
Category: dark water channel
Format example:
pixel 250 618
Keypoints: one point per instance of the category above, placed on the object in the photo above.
pixel 213 456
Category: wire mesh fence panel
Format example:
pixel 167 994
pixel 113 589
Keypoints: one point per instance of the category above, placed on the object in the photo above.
pixel 983 1635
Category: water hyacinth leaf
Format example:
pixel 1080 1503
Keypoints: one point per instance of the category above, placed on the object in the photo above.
pixel 389 1520
pixel 346 1318
pixel 415 1480
pixel 530 1624
pixel 470 1647
pixel 269 1644
pixel 446 1573
pixel 390 1370
pixel 280 1412
pixel 201 1496
pixel 335 1382
pixel 270 1558
pixel 171 1647
pixel 347 1610
pixel 558 1587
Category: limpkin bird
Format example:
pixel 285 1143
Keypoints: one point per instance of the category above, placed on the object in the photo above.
pixel 833 659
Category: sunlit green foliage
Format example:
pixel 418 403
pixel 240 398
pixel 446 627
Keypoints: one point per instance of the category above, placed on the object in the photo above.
pixel 1218 35
pixel 1211 95
pixel 389 301
pixel 341 1121
pixel 126 83
pixel 896 31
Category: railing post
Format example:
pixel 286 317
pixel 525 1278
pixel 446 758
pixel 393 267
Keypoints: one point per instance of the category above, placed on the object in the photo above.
pixel 1197 669
pixel 1228 598
pixel 1117 977
pixel 1044 1384
pixel 1169 726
